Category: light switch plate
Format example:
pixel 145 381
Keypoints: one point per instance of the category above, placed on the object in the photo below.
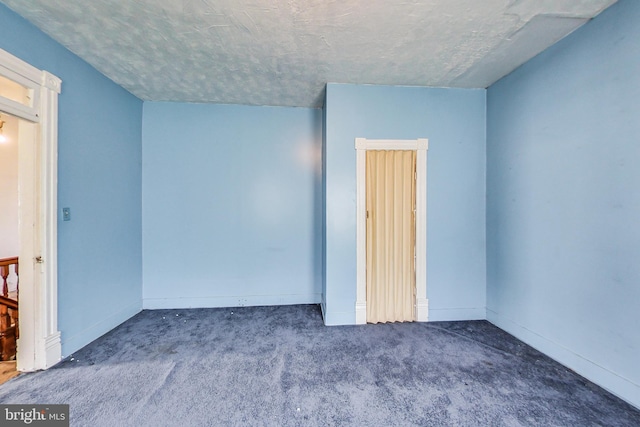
pixel 66 214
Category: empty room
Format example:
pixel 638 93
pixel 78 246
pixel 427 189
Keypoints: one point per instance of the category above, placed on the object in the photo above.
pixel 311 212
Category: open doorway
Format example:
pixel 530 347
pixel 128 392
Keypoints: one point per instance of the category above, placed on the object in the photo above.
pixel 29 110
pixel 17 139
pixel 9 241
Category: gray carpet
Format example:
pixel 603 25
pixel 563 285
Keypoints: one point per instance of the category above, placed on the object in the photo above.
pixel 279 366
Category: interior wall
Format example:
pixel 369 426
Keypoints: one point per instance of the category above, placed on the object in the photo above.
pixel 454 122
pixel 232 200
pixel 99 178
pixel 563 201
pixel 10 236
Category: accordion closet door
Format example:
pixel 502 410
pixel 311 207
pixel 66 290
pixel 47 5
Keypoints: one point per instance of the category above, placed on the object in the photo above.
pixel 390 234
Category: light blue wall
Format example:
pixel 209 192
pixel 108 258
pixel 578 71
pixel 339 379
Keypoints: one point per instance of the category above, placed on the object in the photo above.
pixel 99 250
pixel 232 205
pixel 454 122
pixel 563 204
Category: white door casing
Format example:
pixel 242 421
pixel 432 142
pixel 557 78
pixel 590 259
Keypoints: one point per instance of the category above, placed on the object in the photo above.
pixel 39 345
pixel 420 146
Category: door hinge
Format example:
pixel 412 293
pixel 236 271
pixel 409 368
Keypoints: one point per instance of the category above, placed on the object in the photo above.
pixel 39 260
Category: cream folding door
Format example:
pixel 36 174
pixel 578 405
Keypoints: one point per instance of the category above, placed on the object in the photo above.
pixel 390 202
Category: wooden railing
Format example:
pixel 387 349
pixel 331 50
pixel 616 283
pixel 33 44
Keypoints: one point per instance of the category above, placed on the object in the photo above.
pixel 9 330
pixel 5 263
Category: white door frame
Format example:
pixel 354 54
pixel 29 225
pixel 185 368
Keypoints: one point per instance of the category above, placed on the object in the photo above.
pixel 39 346
pixel 420 146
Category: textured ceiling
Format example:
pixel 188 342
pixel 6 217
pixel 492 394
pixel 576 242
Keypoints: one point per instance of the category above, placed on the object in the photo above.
pixel 282 52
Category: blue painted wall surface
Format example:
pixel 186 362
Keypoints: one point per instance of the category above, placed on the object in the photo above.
pixel 99 250
pixel 563 202
pixel 454 122
pixel 232 205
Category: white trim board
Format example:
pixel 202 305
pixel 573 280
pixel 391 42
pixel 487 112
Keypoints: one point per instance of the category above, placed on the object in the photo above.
pixel 39 343
pixel 610 381
pixel 420 146
pixel 29 77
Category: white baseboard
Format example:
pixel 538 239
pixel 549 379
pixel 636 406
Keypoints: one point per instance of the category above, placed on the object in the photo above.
pixel 456 314
pixel 423 314
pixel 610 381
pixel 53 350
pixel 422 310
pixel 230 301
pixel 361 313
pixel 79 340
